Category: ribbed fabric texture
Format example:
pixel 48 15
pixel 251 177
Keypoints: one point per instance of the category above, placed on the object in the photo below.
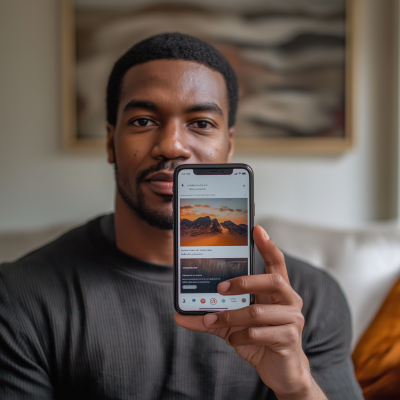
pixel 79 319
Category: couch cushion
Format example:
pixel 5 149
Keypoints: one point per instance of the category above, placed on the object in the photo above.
pixel 364 261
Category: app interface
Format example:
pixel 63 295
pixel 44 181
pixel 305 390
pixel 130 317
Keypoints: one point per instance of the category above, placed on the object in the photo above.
pixel 213 238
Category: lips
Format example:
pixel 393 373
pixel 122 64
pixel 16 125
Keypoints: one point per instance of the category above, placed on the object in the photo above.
pixel 160 182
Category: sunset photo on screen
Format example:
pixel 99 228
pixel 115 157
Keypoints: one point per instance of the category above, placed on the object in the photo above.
pixel 213 222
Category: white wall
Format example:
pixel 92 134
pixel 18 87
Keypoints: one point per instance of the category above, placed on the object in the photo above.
pixel 41 184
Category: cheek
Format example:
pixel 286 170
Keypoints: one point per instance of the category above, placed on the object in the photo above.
pixel 131 149
pixel 212 151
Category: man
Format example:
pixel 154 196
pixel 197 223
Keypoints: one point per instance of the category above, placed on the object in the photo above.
pixel 90 316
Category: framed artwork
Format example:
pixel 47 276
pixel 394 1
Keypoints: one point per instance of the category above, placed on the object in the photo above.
pixel 293 59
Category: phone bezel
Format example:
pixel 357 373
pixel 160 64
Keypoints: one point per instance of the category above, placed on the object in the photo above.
pixel 176 223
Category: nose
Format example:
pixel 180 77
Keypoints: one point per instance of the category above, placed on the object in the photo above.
pixel 171 142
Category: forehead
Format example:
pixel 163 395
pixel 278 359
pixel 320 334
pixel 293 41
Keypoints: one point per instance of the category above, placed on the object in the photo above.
pixel 176 81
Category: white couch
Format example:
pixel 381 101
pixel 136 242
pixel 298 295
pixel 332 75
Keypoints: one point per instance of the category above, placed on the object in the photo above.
pixel 365 262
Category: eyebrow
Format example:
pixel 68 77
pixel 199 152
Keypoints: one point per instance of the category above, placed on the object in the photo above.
pixel 149 105
pixel 204 107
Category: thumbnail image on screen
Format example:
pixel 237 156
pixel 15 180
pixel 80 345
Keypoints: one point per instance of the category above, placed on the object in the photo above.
pixel 202 275
pixel 213 222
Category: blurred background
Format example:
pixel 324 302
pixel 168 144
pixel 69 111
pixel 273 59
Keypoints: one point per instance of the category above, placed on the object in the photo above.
pixel 43 184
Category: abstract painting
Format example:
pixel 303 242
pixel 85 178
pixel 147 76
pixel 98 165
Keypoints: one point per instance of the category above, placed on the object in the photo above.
pixel 291 57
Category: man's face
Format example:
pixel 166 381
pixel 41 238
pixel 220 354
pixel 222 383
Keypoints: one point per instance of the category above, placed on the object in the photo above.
pixel 170 112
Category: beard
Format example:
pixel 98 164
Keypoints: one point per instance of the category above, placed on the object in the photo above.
pixel 135 199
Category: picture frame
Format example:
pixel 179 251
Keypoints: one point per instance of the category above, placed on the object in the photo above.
pixel 72 140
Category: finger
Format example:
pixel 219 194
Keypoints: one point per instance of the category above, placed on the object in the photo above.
pixel 272 284
pixel 275 337
pixel 273 257
pixel 255 315
pixel 192 322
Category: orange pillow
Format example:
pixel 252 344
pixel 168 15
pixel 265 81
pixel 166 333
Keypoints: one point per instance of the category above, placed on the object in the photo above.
pixel 377 355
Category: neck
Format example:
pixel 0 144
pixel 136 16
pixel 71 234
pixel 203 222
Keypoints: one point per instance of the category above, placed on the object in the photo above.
pixel 137 238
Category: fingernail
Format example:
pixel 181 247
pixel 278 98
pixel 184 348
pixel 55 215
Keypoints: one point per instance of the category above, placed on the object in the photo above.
pixel 209 319
pixel 224 286
pixel 266 237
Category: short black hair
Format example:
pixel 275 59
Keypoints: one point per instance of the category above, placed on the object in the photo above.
pixel 172 46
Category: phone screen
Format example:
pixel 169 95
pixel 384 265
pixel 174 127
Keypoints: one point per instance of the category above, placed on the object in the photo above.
pixel 213 218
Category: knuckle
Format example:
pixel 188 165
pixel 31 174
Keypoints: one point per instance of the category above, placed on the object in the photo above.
pixel 252 333
pixel 225 317
pixel 299 318
pixel 255 312
pixel 292 334
pixel 277 280
pixel 299 301
pixel 243 282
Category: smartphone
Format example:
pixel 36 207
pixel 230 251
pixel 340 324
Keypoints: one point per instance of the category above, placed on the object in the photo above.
pixel 213 234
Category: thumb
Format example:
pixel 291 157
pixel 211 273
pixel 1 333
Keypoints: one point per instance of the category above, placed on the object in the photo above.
pixel 272 256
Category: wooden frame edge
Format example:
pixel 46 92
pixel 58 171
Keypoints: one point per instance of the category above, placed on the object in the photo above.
pixel 352 32
pixel 68 85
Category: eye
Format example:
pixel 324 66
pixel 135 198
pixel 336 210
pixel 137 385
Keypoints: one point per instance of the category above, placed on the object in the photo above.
pixel 143 122
pixel 202 125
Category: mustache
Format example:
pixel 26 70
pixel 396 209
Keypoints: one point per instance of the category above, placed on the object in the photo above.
pixel 164 165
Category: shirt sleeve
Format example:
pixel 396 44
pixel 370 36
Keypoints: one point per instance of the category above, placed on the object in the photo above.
pixel 21 376
pixel 327 339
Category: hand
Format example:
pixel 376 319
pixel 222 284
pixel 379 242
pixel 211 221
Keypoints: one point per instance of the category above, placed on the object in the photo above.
pixel 268 333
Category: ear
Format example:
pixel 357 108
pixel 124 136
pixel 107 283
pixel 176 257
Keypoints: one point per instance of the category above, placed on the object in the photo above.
pixel 110 143
pixel 231 144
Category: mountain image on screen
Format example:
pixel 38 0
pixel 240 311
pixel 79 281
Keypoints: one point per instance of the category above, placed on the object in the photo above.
pixel 210 232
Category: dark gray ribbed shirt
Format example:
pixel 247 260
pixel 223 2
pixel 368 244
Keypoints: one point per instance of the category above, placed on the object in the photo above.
pixel 80 319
